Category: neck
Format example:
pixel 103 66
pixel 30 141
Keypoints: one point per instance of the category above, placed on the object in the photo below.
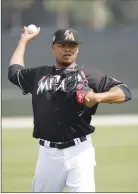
pixel 64 65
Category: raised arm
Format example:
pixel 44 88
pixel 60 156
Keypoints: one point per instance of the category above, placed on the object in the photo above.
pixel 18 55
pixel 17 74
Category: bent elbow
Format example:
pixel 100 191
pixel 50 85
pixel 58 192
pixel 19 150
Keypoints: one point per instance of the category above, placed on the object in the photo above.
pixel 126 91
pixel 128 96
pixel 11 74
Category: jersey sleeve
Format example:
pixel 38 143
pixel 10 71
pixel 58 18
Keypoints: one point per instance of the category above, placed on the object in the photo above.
pixel 108 82
pixel 22 77
pixel 101 82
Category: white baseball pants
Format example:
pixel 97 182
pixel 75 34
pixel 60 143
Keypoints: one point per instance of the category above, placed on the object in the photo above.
pixel 71 167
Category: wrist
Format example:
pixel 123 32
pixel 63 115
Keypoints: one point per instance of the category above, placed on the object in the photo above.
pixel 22 42
pixel 91 99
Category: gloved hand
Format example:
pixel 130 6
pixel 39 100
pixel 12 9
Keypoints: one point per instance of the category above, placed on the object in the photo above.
pixel 76 85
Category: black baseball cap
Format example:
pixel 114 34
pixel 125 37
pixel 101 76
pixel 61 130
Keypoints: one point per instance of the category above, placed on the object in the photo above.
pixel 66 35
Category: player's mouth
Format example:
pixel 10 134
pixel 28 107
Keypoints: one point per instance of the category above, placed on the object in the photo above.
pixel 67 55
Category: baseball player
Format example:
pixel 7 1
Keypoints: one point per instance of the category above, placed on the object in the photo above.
pixel 63 99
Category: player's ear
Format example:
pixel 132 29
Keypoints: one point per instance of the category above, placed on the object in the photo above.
pixel 78 48
pixel 53 48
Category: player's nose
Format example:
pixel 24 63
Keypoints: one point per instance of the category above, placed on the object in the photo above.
pixel 66 48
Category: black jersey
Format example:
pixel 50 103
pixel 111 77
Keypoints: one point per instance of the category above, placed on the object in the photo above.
pixel 55 116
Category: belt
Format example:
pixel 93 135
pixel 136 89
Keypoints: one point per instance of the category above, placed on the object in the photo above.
pixel 62 145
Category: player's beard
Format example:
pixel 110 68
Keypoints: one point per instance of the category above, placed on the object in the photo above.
pixel 64 64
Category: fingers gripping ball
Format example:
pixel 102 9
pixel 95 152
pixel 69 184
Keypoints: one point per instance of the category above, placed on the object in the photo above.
pixel 32 29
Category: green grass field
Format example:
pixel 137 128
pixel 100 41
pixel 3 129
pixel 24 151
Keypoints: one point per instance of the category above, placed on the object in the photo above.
pixel 116 156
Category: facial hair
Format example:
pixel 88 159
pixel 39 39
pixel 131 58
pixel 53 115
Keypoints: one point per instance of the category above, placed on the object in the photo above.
pixel 65 64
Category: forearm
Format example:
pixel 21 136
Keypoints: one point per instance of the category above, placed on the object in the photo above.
pixel 114 95
pixel 18 55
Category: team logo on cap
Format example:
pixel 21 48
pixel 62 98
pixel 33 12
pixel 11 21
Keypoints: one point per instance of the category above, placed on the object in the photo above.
pixel 54 38
pixel 69 35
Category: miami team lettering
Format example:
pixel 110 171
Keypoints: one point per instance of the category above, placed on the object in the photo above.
pixel 52 83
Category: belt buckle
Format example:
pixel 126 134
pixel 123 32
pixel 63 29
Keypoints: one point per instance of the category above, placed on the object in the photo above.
pixel 58 145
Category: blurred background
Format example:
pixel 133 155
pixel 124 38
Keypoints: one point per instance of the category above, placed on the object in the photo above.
pixel 109 32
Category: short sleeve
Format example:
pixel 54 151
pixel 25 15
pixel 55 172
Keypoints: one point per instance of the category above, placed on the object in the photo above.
pixel 22 77
pixel 108 82
pixel 100 82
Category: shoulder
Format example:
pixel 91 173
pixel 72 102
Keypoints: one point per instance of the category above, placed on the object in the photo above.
pixel 95 78
pixel 94 74
pixel 37 68
pixel 44 68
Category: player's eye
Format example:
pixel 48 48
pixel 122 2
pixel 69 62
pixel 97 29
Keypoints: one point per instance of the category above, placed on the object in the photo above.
pixel 72 46
pixel 61 45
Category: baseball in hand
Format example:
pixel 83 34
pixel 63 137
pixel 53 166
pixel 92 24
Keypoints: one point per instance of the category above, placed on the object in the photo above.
pixel 32 29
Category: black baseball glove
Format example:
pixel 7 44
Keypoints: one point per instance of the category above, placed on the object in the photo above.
pixel 76 85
